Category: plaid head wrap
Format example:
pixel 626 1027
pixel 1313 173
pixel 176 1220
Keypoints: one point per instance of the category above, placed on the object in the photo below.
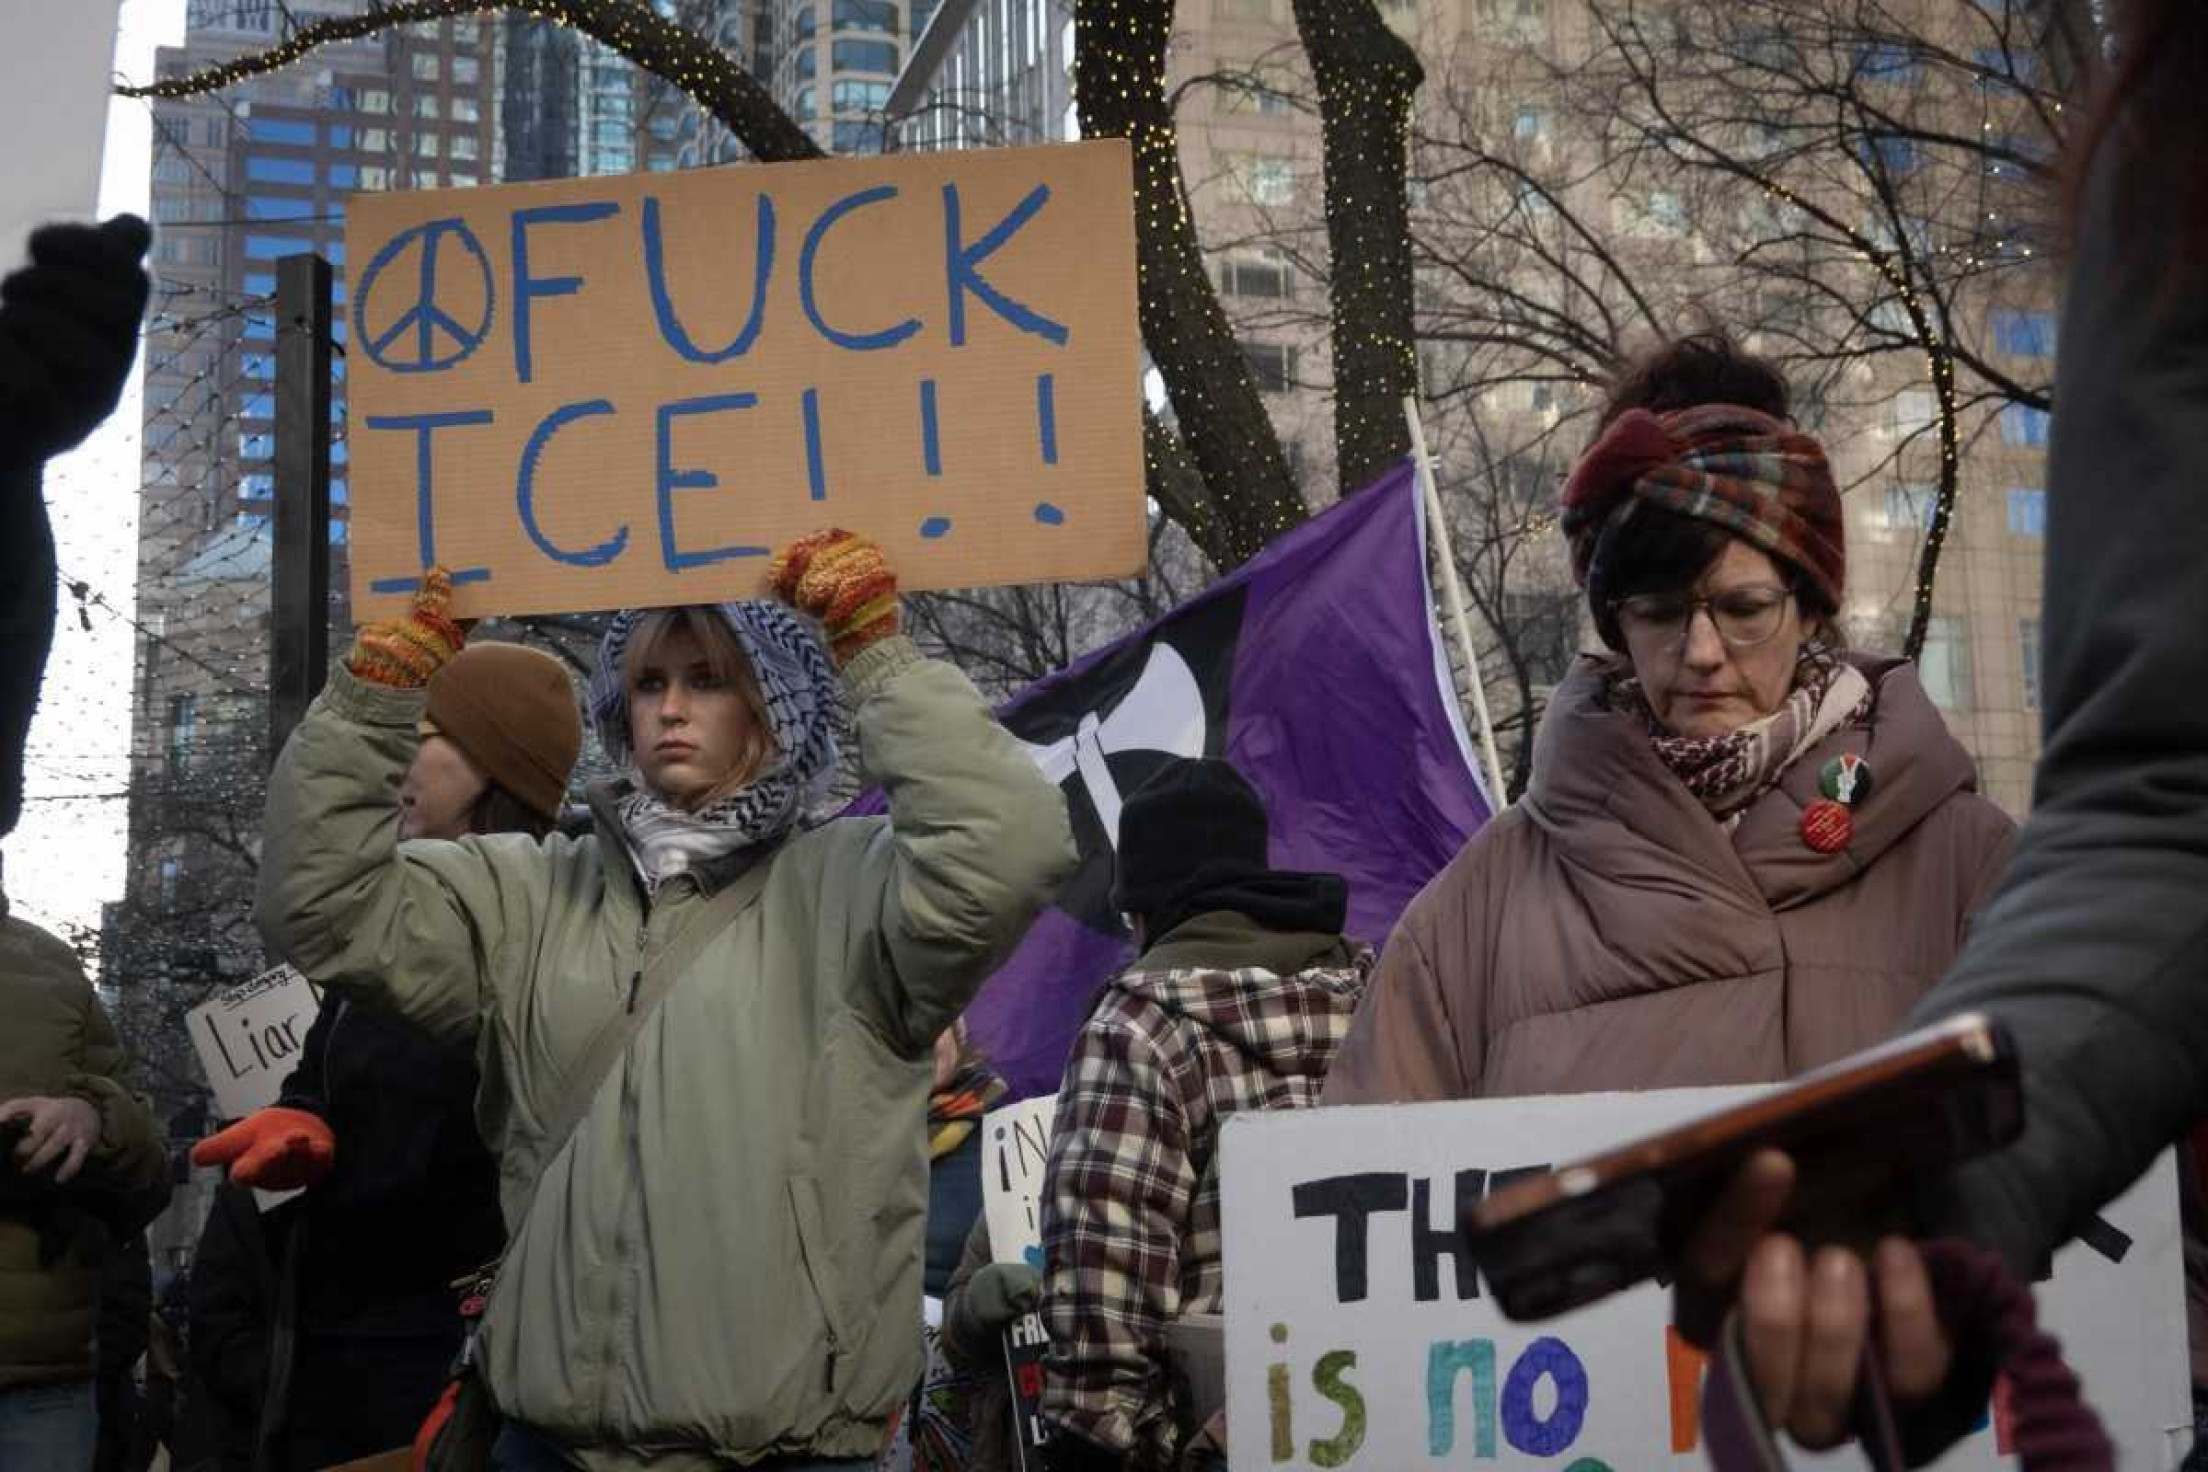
pixel 790 664
pixel 1757 477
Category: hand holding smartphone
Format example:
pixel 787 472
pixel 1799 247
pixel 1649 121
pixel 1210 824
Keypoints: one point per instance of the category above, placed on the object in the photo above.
pixel 1864 1134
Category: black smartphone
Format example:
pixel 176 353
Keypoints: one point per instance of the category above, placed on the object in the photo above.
pixel 1864 1132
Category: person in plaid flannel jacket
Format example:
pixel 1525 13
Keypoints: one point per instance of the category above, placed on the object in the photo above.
pixel 1243 990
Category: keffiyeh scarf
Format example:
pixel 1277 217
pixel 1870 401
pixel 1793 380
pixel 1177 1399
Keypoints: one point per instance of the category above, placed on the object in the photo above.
pixel 1726 773
pixel 800 691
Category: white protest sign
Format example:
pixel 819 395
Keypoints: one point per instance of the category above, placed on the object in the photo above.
pixel 1015 1146
pixel 1352 1342
pixel 248 1038
pixel 54 85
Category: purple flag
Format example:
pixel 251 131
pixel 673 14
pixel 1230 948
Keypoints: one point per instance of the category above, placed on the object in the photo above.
pixel 1316 669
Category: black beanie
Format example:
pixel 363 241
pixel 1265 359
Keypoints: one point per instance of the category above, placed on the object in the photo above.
pixel 1192 827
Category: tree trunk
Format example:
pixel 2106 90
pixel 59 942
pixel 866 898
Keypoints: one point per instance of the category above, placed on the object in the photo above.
pixel 1368 77
pixel 1119 82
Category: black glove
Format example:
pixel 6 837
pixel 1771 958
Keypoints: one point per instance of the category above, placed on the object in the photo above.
pixel 975 1320
pixel 69 324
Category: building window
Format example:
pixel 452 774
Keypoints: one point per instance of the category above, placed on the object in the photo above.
pixel 375 100
pixel 1530 125
pixel 803 102
pixel 466 71
pixel 464 146
pixel 373 176
pixel 1262 179
pixel 2021 424
pixel 1944 663
pixel 1913 412
pixel 374 140
pixel 1267 276
pixel 865 56
pixel 170 873
pixel 2022 334
pixel 1889 62
pixel 857 137
pixel 281 130
pixel 808 22
pixel 425 144
pixel 183 731
pixel 859 96
pixel 808 62
pixel 464 110
pixel 1909 507
pixel 425 105
pixel 867 15
pixel 466 32
pixel 2027 634
pixel 274 247
pixel 1896 157
pixel 279 170
pixel 2027 511
pixel 425 66
pixel 1272 366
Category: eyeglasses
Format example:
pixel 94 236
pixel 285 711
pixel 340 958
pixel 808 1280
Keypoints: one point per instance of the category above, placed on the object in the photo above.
pixel 1744 617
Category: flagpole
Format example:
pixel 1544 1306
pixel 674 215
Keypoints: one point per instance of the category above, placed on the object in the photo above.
pixel 1453 590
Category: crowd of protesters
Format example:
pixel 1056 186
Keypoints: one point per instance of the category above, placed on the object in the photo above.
pixel 638 1142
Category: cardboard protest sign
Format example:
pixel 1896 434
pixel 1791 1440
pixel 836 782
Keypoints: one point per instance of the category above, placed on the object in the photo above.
pixel 54 90
pixel 248 1038
pixel 632 390
pixel 1357 1335
pixel 1015 1146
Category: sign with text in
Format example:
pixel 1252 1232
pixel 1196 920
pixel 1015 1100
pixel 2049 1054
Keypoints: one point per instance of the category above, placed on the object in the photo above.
pixel 1359 1337
pixel 628 391
pixel 248 1038
pixel 1015 1146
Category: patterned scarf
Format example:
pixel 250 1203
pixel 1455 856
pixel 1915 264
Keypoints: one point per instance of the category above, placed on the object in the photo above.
pixel 1726 773
pixel 799 688
pixel 955 1110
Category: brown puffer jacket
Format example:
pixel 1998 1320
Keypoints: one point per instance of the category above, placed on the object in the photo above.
pixel 56 1042
pixel 1606 933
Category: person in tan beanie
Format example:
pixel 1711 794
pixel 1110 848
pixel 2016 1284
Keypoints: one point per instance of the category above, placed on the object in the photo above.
pixel 377 1124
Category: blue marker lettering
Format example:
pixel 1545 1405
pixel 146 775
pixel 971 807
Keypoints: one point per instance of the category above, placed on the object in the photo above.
pixel 888 337
pixel 525 489
pixel 528 288
pixel 423 427
pixel 663 306
pixel 964 265
pixel 672 480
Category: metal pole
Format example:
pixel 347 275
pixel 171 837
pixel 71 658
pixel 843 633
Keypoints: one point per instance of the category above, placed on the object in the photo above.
pixel 1453 591
pixel 299 598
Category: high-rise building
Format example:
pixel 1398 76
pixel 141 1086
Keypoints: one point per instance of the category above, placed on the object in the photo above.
pixel 834 62
pixel 989 72
pixel 243 177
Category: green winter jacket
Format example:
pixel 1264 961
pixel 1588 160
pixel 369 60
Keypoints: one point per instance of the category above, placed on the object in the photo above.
pixel 56 1041
pixel 724 1262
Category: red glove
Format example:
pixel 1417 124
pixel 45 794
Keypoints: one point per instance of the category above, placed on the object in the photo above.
pixel 843 580
pixel 276 1149
pixel 402 653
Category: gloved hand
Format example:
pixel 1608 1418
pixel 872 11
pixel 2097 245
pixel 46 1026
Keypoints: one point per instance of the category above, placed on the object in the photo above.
pixel 275 1149
pixel 843 580
pixel 994 1297
pixel 69 325
pixel 402 653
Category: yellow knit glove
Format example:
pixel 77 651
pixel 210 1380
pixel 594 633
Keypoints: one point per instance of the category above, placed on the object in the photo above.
pixel 843 580
pixel 402 653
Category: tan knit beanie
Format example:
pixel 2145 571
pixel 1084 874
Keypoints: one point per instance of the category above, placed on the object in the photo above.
pixel 513 711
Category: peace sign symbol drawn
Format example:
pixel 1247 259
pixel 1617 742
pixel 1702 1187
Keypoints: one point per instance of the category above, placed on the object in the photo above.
pixel 409 342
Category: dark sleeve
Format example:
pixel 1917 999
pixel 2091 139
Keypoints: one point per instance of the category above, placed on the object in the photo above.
pixel 229 1303
pixel 2093 949
pixel 26 620
pixel 306 1087
pixel 130 1163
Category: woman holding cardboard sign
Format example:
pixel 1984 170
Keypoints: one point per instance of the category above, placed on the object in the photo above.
pixel 705 1028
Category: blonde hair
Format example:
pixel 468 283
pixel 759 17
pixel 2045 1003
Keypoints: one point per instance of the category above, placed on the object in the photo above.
pixel 725 657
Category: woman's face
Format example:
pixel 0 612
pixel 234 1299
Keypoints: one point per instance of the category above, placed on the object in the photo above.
pixel 439 791
pixel 1704 658
pixel 687 726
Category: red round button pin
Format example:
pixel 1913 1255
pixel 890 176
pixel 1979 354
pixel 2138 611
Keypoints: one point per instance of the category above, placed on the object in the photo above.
pixel 1827 826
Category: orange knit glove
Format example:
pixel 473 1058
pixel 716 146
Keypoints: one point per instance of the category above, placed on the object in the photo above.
pixel 843 580
pixel 274 1149
pixel 404 652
